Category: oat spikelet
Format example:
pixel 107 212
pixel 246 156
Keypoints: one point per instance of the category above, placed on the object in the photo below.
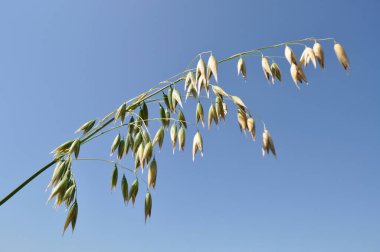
pixel 219 107
pixel 212 116
pixel 173 135
pixel 134 190
pixel 266 68
pixel 289 55
pixel 197 144
pixel 86 127
pixel 201 72
pixel 120 113
pixel 71 217
pixel 159 137
pixel 190 80
pixel 192 90
pixel 242 119
pixel 219 91
pixel 267 144
pixel 276 72
pixel 124 189
pixel 319 54
pixel 297 74
pixel 148 151
pixel 238 102
pixel 75 148
pixel 199 114
pixel 225 109
pixel 114 177
pixel 152 174
pixel 181 138
pixel 176 98
pixel 115 143
pixel 148 205
pixel 251 127
pixel 341 55
pixel 212 68
pixel 241 68
pixel 121 149
pixel 307 56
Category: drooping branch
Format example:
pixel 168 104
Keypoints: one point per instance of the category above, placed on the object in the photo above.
pixel 138 139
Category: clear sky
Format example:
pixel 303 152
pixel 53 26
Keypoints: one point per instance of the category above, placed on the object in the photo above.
pixel 64 62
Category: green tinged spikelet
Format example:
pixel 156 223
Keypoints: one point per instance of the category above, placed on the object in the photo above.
pixel 63 147
pixel 124 189
pixel 86 127
pixel 140 154
pixel 182 119
pixel 114 177
pixel 152 174
pixel 60 188
pixel 59 171
pixel 148 205
pixel 163 116
pixel 170 99
pixel 128 143
pixel 181 138
pixel 75 148
pixel 134 190
pixel 159 137
pixel 121 149
pixel 145 113
pixel 165 98
pixel 146 137
pixel 69 195
pixel 131 125
pixel 137 142
pixel 167 116
pixel 71 217
pixel 148 150
pixel 120 112
pixel 115 143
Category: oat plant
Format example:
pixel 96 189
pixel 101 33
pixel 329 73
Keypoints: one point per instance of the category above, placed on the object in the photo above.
pixel 168 97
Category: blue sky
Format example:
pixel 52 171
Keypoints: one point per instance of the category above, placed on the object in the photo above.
pixel 65 62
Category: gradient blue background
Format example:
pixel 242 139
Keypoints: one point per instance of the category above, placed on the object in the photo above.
pixel 64 62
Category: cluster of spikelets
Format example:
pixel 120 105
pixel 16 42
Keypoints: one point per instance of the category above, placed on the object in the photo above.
pixel 141 146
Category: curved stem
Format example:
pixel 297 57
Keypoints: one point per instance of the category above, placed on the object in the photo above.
pixel 44 168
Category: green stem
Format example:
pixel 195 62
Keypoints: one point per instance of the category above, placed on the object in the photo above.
pixel 10 195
